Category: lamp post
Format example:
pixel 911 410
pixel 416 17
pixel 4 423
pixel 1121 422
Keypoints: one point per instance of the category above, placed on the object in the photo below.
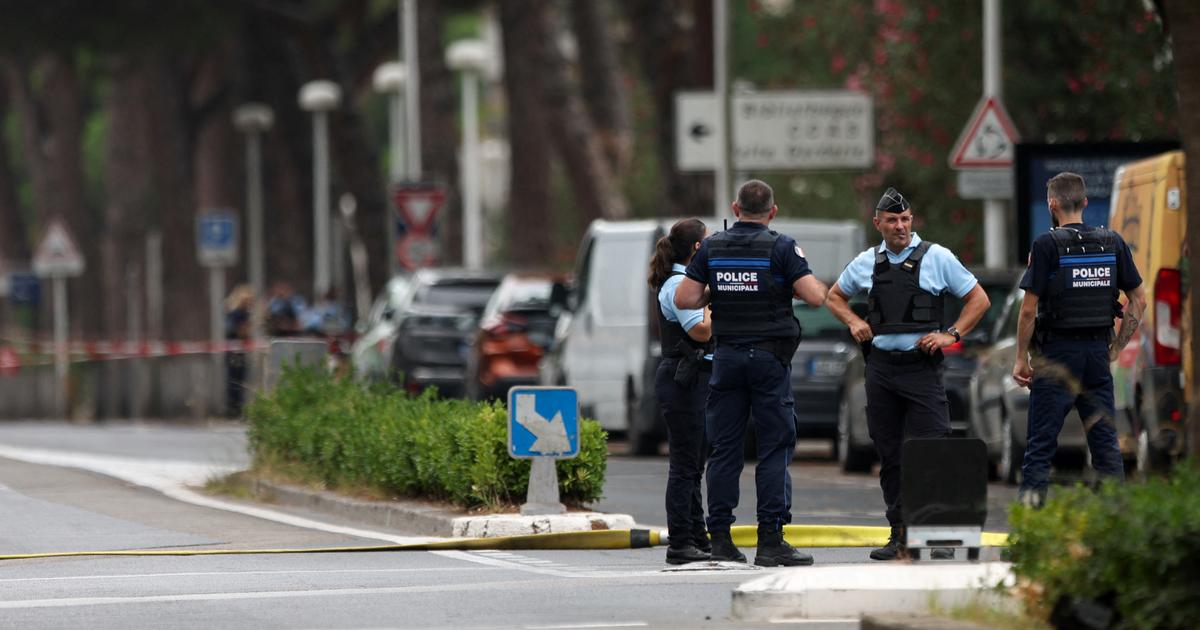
pixel 254 119
pixel 389 79
pixel 469 58
pixel 319 97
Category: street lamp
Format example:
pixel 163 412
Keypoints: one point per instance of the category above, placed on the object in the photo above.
pixel 254 119
pixel 389 79
pixel 469 57
pixel 319 97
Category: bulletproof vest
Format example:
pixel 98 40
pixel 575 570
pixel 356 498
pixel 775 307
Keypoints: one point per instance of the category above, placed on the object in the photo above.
pixel 896 303
pixel 1083 292
pixel 675 340
pixel 748 299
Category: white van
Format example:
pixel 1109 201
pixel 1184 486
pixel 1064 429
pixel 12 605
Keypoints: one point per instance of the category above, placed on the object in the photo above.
pixel 607 347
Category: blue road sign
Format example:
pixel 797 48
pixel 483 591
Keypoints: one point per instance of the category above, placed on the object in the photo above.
pixel 543 422
pixel 216 239
pixel 24 289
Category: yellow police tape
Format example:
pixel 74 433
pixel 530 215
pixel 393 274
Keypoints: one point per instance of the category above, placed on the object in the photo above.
pixel 743 536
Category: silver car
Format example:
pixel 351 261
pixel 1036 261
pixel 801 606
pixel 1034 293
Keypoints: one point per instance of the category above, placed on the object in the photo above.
pixel 371 353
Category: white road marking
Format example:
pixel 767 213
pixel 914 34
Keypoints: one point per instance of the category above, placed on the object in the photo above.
pixel 599 624
pixel 134 576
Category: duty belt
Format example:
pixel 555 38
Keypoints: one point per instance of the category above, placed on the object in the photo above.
pixel 905 357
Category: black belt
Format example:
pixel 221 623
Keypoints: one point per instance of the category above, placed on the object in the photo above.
pixel 1075 335
pixel 904 357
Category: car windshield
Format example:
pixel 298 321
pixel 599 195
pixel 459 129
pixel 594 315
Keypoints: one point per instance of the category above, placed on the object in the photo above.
pixel 470 295
pixel 997 293
pixel 818 322
pixel 527 295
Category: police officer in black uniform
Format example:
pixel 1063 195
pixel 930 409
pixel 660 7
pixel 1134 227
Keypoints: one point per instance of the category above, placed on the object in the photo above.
pixel 906 280
pixel 1071 287
pixel 750 273
pixel 681 387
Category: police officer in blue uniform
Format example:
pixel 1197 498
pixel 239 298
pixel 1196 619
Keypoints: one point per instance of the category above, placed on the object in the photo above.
pixel 1074 274
pixel 681 387
pixel 750 274
pixel 906 279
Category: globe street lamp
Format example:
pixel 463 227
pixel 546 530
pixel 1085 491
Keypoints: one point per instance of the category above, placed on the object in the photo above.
pixel 254 119
pixel 469 57
pixel 320 97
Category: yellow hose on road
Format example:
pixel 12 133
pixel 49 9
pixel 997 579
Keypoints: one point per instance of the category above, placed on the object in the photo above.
pixel 743 536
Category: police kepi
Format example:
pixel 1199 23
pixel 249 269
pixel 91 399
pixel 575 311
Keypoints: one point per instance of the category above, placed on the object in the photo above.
pixel 1072 287
pixel 751 274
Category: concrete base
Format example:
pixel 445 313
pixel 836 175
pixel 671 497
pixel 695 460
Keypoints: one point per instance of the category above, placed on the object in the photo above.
pixel 496 525
pixel 853 590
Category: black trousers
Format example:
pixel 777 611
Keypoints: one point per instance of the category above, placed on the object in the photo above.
pixel 683 410
pixel 903 401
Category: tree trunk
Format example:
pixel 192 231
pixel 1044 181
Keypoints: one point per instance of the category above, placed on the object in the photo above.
pixel 600 71
pixel 14 246
pixel 1185 37
pixel 530 219
pixel 439 127
pixel 673 57
pixel 596 190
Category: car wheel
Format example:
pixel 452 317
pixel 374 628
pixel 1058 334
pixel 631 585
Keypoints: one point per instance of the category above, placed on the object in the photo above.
pixel 643 424
pixel 1012 453
pixel 850 458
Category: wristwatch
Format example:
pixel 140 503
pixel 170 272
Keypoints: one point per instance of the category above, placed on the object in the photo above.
pixel 954 331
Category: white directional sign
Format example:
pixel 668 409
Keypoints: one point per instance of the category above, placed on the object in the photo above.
pixel 216 239
pixel 988 141
pixel 57 254
pixel 778 131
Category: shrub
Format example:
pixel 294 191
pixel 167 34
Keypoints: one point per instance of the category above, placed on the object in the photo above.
pixel 1136 546
pixel 423 446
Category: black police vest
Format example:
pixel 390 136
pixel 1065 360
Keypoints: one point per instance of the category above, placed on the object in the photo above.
pixel 674 339
pixel 747 301
pixel 896 303
pixel 1083 293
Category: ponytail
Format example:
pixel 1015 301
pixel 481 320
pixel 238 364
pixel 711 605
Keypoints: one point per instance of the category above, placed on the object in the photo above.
pixel 675 247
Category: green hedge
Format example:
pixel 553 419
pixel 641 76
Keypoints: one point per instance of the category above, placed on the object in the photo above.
pixel 453 450
pixel 1136 545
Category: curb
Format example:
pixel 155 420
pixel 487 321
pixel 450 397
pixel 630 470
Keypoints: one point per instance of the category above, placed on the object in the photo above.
pixel 428 520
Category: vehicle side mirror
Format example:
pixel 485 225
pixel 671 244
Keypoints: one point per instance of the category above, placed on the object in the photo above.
pixel 562 297
pixel 389 313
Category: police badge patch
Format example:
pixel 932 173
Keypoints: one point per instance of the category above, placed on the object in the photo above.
pixel 799 252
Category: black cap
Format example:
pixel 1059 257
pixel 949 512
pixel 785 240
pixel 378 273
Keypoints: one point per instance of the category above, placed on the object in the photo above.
pixel 892 201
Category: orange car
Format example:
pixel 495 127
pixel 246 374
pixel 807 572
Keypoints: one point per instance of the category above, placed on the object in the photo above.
pixel 514 333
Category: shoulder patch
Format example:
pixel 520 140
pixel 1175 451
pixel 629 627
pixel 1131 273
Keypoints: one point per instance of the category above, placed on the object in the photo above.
pixel 799 251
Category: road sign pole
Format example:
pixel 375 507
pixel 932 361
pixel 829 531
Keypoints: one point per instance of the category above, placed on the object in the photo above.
pixel 216 324
pixel 412 92
pixel 995 228
pixel 60 342
pixel 721 191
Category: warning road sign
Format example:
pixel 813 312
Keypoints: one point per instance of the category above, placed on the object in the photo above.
pixel 989 139
pixel 418 205
pixel 57 254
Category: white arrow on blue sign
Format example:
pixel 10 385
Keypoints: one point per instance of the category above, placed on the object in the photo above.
pixel 216 239
pixel 543 422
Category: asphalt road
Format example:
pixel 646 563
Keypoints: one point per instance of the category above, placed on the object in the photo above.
pixel 47 508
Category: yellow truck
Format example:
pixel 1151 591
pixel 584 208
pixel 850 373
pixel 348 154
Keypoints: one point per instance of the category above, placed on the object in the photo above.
pixel 1149 209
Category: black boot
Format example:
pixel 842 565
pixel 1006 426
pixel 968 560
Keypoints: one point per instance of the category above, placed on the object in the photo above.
pixel 701 541
pixel 774 551
pixel 896 547
pixel 685 554
pixel 723 549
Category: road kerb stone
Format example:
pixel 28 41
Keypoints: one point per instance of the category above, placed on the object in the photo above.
pixel 433 520
pixel 849 591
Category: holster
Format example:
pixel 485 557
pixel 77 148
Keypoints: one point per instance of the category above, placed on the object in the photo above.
pixel 689 364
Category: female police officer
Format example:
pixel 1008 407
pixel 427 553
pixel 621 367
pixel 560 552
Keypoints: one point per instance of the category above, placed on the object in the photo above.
pixel 681 386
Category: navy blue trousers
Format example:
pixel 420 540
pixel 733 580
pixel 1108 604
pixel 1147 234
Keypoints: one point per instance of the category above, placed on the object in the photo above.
pixel 749 381
pixel 1070 373
pixel 683 410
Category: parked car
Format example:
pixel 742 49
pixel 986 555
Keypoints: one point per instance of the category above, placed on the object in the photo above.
pixel 371 354
pixel 818 371
pixel 1000 407
pixel 1149 209
pixel 607 346
pixel 516 330
pixel 855 450
pixel 436 325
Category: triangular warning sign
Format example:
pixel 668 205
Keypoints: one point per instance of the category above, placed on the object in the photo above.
pixel 988 141
pixel 419 205
pixel 57 254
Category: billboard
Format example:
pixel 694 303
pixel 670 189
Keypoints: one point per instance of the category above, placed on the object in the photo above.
pixel 1095 161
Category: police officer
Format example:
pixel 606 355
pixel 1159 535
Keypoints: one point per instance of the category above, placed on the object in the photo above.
pixel 750 273
pixel 1071 299
pixel 681 386
pixel 906 280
